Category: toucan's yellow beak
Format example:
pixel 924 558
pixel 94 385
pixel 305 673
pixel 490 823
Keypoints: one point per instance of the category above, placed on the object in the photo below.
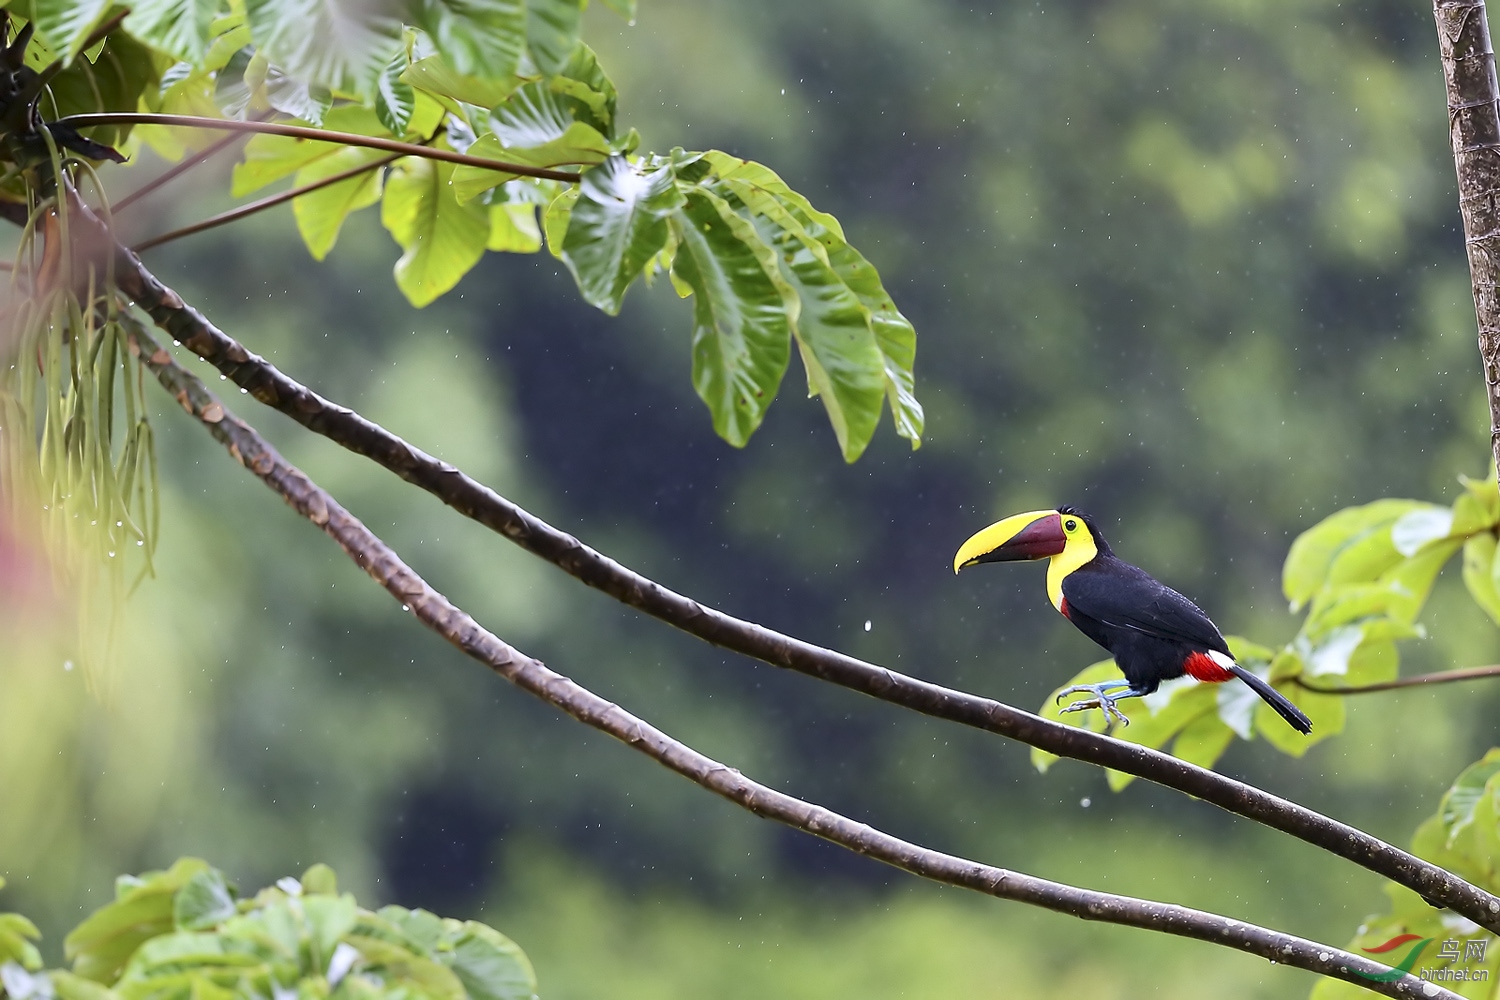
pixel 1033 535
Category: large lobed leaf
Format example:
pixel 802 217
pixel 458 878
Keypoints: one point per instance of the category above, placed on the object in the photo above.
pixel 441 239
pixel 741 335
pixel 711 217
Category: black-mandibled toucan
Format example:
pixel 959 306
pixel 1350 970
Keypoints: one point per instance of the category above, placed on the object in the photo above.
pixel 1153 632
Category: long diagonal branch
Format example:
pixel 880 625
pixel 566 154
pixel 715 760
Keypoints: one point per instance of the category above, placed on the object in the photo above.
pixel 452 623
pixel 477 501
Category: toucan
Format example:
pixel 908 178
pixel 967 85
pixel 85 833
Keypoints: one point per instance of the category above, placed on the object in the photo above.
pixel 1153 632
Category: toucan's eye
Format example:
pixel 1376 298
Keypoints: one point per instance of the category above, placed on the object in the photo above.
pixel 1070 524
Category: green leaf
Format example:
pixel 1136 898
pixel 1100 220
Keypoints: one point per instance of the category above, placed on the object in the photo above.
pixel 180 27
pixel 1374 662
pixel 741 338
pixel 1351 545
pixel 114 82
pixel 536 128
pixel 421 927
pixel 1411 579
pixel 1204 740
pixel 513 228
pixel 578 144
pixel 320 880
pixel 309 102
pixel 204 902
pixel 536 117
pixel 441 239
pixel 1479 564
pixel 625 8
pixel 556 218
pixel 845 368
pixel 168 953
pixel 618 224
pixel 233 90
pixel 895 337
pixel 423 976
pixel 492 966
pixel 552 32
pixel 320 214
pixel 1419 527
pixel 587 90
pixel 434 75
pixel 343 46
pixel 71 987
pixel 100 946
pixel 482 38
pixel 1477 508
pixel 269 158
pixel 1458 805
pixel 889 353
pixel 394 98
pixel 16 935
pixel 64 25
pixel 329 919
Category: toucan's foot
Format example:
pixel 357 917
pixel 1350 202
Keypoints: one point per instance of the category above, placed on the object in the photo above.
pixel 1101 698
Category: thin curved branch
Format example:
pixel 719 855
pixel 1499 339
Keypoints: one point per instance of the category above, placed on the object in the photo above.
pixel 318 135
pixel 1440 677
pixel 270 201
pixel 168 176
pixel 452 623
pixel 477 501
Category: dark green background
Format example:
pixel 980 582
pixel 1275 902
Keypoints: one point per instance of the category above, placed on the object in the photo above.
pixel 1195 266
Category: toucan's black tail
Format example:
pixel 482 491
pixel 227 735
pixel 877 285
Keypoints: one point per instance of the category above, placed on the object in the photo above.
pixel 1291 713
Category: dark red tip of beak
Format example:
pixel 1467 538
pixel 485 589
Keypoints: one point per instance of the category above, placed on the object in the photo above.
pixel 1041 538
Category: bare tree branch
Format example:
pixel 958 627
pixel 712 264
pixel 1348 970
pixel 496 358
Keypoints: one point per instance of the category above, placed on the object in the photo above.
pixel 452 623
pixel 318 135
pixel 1439 677
pixel 168 176
pixel 477 501
pixel 260 205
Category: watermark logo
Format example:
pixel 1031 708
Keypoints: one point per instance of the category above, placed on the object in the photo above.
pixel 1452 951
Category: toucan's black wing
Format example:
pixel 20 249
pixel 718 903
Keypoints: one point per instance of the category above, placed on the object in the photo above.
pixel 1119 595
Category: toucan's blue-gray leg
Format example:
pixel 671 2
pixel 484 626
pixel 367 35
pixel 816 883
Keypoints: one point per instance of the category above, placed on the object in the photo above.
pixel 1101 699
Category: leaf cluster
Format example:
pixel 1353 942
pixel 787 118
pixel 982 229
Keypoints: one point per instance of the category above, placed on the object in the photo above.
pixel 184 934
pixel 508 83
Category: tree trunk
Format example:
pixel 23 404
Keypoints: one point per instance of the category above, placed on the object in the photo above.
pixel 1474 127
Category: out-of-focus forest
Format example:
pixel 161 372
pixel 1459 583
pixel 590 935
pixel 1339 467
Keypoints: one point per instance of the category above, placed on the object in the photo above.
pixel 1196 267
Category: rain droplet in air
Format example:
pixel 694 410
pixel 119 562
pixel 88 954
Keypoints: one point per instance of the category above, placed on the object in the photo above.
pixel 867 624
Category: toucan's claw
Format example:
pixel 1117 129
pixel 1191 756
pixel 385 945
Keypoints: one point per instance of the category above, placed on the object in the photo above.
pixel 1101 699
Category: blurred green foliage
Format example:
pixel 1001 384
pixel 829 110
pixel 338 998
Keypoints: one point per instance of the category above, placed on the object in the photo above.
pixel 1195 267
pixel 183 934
